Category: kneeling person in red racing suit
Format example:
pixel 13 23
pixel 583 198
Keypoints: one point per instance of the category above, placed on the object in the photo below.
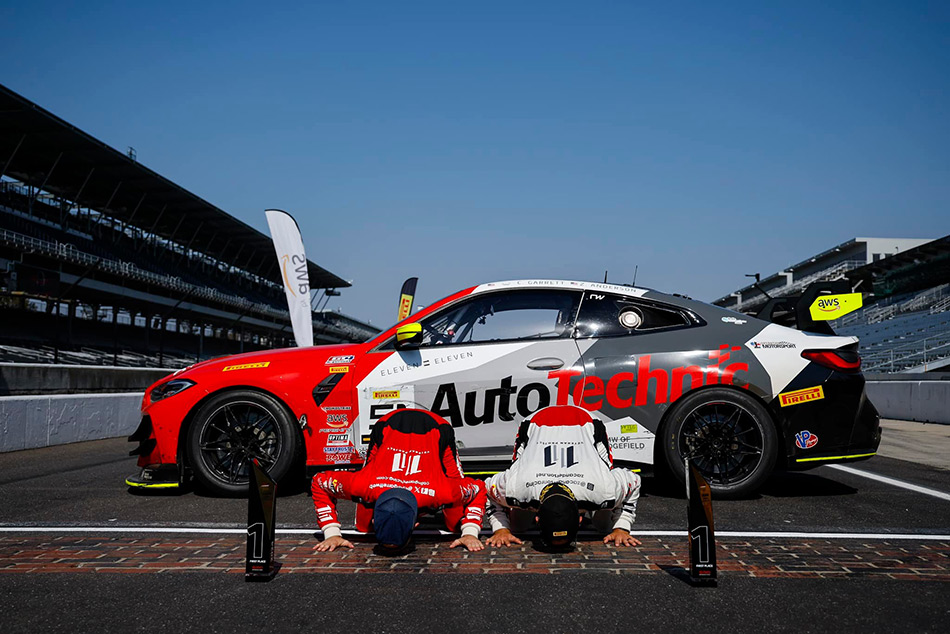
pixel 411 464
pixel 563 468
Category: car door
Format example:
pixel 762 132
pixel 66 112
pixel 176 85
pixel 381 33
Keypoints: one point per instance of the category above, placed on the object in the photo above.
pixel 637 364
pixel 486 363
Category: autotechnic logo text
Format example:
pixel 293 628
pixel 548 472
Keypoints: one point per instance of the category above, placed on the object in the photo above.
pixel 650 386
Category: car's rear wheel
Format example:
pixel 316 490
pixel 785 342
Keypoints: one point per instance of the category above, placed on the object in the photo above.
pixel 727 435
pixel 230 431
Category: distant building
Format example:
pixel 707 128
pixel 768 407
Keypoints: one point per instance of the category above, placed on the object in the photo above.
pixel 835 263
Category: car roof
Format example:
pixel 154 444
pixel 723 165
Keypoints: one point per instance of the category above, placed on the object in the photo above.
pixel 564 284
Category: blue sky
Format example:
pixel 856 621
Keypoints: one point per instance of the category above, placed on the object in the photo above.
pixel 471 142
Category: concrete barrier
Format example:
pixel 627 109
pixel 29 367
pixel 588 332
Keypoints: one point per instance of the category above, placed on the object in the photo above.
pixel 28 422
pixel 45 378
pixel 908 399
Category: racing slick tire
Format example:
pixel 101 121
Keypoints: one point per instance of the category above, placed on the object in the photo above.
pixel 231 429
pixel 727 434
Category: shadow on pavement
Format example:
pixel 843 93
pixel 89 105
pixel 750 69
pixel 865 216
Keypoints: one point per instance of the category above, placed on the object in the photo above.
pixel 804 485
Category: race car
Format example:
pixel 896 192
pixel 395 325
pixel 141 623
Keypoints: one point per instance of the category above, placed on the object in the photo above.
pixel 673 379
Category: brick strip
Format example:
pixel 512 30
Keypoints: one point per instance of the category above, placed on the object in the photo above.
pixel 904 560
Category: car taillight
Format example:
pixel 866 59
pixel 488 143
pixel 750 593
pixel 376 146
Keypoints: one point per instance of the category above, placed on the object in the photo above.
pixel 840 360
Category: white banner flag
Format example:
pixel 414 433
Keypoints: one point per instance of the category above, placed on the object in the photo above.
pixel 293 269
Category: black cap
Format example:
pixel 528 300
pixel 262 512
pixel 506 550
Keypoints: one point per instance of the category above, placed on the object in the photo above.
pixel 394 516
pixel 557 516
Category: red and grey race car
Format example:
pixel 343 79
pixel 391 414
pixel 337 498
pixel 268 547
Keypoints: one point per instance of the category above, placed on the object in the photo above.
pixel 672 378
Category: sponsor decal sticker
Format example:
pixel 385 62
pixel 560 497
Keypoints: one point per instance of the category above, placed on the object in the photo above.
pixel 801 396
pixel 769 345
pixel 385 394
pixel 338 439
pixel 347 358
pixel 245 366
pixel 734 320
pixel 332 450
pixel 339 369
pixel 629 429
pixel 626 442
pixel 649 384
pixel 425 363
pixel 805 439
pixel 335 408
pixel 829 307
pixel 338 420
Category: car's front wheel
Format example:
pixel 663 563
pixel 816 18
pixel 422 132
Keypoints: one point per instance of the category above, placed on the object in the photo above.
pixel 230 431
pixel 727 435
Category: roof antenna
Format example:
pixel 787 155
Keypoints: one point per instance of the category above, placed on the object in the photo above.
pixel 635 269
pixel 605 276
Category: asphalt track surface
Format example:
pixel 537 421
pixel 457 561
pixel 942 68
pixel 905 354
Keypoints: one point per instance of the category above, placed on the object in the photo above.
pixel 72 534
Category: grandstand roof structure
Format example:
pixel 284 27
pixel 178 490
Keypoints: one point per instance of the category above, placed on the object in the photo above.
pixel 923 266
pixel 41 150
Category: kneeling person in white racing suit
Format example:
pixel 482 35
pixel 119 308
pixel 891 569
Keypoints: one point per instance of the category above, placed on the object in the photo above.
pixel 562 469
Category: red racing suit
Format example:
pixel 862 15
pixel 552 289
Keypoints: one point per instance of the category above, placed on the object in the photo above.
pixel 414 450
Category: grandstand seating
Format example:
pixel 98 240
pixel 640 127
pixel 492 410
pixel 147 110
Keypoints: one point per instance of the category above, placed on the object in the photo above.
pixel 63 237
pixel 904 332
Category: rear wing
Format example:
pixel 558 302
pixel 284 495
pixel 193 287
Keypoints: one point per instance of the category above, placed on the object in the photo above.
pixel 794 311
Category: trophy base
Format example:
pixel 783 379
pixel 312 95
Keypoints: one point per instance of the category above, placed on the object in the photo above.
pixel 703 580
pixel 256 577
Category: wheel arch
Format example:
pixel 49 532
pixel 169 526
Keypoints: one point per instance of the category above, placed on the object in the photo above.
pixel 189 418
pixel 658 459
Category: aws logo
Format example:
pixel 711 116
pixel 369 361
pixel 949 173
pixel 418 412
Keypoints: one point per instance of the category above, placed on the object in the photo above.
pixel 299 272
pixel 828 305
pixel 831 307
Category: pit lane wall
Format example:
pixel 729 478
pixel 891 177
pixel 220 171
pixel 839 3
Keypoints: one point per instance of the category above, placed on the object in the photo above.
pixel 923 398
pixel 43 404
pixel 28 422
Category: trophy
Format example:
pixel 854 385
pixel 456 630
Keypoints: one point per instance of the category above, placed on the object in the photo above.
pixel 702 541
pixel 261 522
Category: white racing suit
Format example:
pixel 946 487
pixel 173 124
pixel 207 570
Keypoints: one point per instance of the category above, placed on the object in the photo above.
pixel 563 444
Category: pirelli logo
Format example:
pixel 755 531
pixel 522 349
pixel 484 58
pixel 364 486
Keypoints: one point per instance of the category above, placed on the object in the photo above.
pixel 801 396
pixel 245 366
pixel 384 394
pixel 339 369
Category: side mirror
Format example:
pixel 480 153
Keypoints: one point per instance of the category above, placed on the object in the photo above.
pixel 409 336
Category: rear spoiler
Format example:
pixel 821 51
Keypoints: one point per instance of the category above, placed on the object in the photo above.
pixel 794 311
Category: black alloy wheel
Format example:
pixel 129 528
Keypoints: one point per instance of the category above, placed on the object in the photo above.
pixel 230 431
pixel 727 435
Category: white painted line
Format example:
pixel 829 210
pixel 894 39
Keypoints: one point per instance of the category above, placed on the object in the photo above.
pixel 891 481
pixel 306 531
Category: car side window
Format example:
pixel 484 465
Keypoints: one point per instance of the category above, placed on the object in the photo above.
pixel 606 315
pixel 504 316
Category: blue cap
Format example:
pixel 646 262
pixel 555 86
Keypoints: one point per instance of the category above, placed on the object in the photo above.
pixel 394 516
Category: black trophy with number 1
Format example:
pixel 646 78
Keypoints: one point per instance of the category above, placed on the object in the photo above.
pixel 702 540
pixel 261 522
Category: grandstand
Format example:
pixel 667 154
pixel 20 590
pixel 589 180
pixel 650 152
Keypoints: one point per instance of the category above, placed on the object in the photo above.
pixel 904 325
pixel 103 261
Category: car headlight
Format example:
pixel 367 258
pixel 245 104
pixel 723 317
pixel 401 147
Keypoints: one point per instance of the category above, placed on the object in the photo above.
pixel 170 388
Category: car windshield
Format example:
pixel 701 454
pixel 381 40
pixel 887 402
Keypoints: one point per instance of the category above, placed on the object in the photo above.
pixel 504 316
